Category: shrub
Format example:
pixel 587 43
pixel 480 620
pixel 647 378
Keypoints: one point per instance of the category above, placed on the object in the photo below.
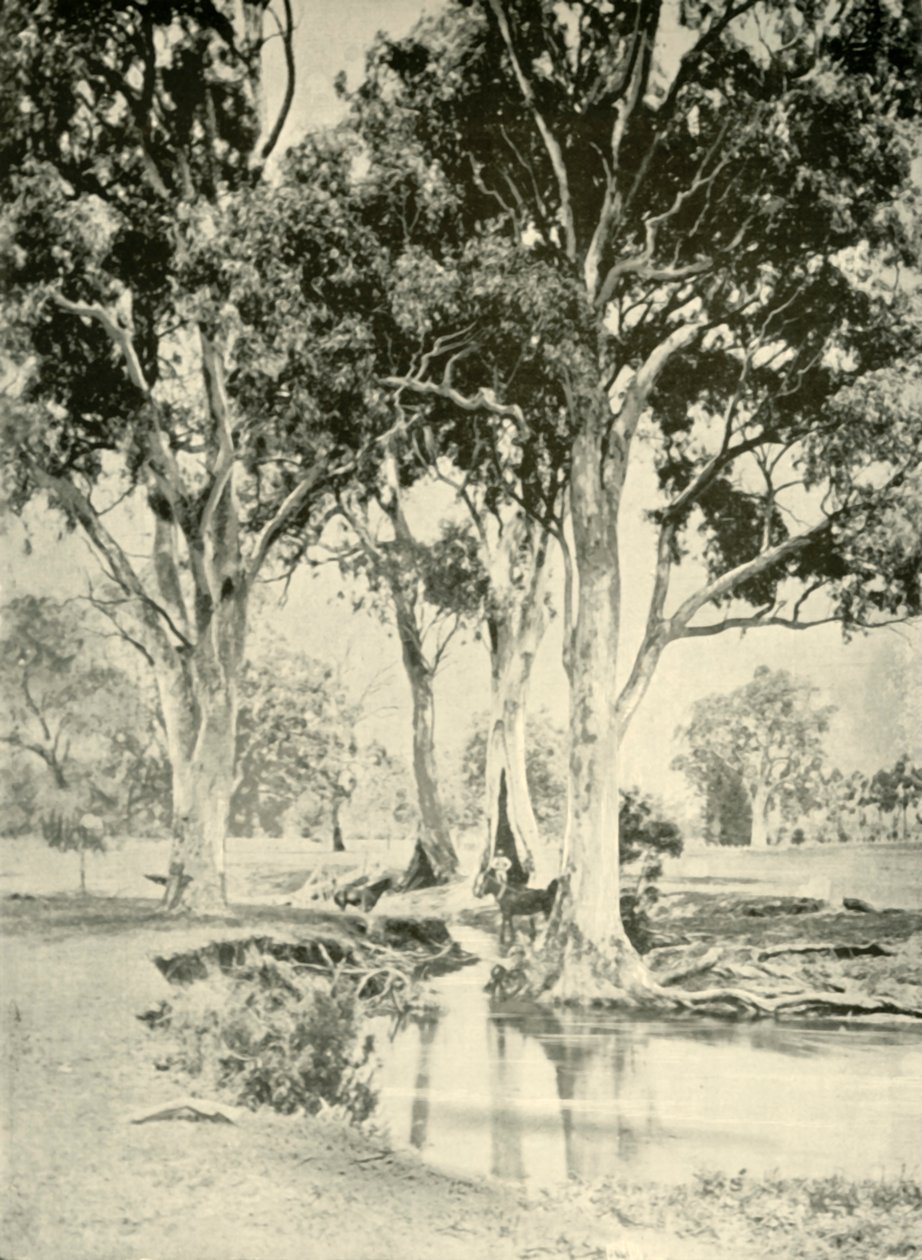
pixel 274 1035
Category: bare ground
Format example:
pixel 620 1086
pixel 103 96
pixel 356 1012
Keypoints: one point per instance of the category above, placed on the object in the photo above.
pixel 84 1183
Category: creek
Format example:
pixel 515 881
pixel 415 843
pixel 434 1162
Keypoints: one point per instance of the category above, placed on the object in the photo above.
pixel 541 1096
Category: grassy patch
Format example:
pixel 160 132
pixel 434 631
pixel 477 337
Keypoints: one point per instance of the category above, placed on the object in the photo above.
pixel 778 1218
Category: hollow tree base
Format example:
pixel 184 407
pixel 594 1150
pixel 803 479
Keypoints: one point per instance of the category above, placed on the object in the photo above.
pixel 421 873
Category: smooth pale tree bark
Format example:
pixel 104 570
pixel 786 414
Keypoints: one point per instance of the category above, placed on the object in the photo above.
pixel 190 617
pixel 516 621
pixel 199 700
pixel 186 609
pixel 594 955
pixel 202 789
pixel 434 836
pixel 761 800
pixel 434 859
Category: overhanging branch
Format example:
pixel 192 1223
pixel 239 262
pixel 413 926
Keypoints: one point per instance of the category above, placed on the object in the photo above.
pixel 287 34
pixel 118 333
pixel 483 400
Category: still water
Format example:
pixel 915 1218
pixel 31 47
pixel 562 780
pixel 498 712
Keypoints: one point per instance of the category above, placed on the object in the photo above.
pixel 541 1097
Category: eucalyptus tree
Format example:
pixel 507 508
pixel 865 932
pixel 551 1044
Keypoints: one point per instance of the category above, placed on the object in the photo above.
pixel 70 709
pixel 508 475
pixel 154 366
pixel 427 590
pixel 397 260
pixel 769 736
pixel 715 194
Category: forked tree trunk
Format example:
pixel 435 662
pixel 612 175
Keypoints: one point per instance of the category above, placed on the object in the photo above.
pixel 516 623
pixel 434 859
pixel 587 951
pixel 199 703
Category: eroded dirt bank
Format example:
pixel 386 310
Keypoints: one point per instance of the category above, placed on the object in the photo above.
pixel 86 1184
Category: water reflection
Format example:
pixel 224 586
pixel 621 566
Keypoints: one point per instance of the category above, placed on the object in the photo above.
pixel 505 1115
pixel 547 1095
pixel 419 1114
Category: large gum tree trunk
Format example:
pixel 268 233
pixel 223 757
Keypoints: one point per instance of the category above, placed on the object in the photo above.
pixel 589 952
pixel 198 695
pixel 516 624
pixel 434 859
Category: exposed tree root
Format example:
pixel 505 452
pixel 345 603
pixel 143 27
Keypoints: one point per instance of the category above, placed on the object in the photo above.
pixel 568 971
pixel 871 949
pixel 740 1001
pixel 693 967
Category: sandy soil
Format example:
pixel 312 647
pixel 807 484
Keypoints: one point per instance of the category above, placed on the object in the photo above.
pixel 87 1184
pixel 84 1183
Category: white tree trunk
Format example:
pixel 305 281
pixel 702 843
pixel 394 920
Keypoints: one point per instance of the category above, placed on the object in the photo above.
pixel 198 696
pixel 434 849
pixel 595 957
pixel 760 806
pixel 516 623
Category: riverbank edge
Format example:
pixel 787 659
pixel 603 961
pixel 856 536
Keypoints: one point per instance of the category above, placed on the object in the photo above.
pixel 87 1184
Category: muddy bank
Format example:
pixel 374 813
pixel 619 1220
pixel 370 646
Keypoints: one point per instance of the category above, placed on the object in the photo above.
pixel 86 1183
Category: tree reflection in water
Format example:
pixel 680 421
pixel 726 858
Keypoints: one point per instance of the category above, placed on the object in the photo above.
pixel 594 1069
pixel 540 1095
pixel 505 1111
pixel 427 1026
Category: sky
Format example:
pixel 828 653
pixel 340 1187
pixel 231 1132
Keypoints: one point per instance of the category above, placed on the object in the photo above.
pixel 875 681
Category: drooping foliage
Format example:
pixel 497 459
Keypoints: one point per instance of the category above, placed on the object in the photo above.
pixel 161 347
pixel 625 171
pixel 80 732
pixel 708 204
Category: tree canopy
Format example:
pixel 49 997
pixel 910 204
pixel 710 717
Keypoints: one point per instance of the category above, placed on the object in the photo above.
pixel 768 735
pixel 149 360
pixel 73 714
pixel 706 206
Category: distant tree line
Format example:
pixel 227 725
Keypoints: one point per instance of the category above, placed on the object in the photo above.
pixel 757 759
pixel 83 740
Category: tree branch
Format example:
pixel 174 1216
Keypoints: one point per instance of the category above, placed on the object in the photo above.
pixel 120 336
pixel 225 460
pixel 102 606
pixel 276 526
pixel 483 400
pixel 551 144
pixel 727 582
pixel 288 43
pixel 120 567
pixel 655 636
